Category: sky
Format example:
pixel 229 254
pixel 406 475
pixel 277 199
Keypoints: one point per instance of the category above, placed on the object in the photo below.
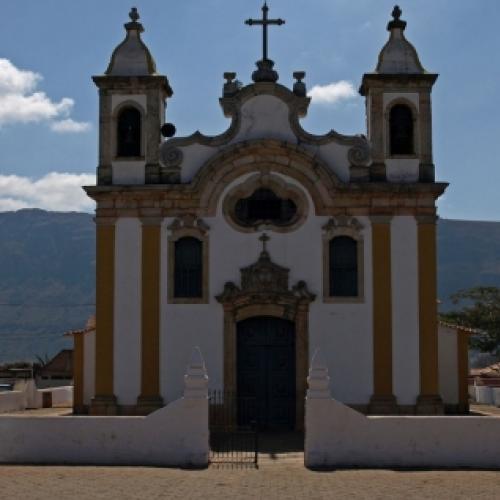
pixel 48 103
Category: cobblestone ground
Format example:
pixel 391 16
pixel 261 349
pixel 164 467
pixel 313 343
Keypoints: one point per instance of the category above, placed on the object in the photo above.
pixel 282 479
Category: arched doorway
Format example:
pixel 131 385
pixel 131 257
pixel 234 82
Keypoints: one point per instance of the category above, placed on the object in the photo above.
pixel 266 372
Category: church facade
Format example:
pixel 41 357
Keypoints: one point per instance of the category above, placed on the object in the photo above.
pixel 265 243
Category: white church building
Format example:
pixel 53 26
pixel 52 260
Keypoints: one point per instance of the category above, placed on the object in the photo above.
pixel 265 243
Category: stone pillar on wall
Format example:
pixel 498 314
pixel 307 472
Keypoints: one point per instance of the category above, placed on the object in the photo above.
pixel 383 400
pixel 150 399
pixel 78 370
pixel 429 401
pixel 104 401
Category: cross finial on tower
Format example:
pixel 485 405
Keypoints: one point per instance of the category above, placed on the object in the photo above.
pixel 396 13
pixel 134 15
pixel 397 22
pixel 264 239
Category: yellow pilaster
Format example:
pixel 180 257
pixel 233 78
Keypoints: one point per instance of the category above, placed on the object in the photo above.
pixel 429 401
pixel 382 400
pixel 104 401
pixel 150 398
pixel 78 363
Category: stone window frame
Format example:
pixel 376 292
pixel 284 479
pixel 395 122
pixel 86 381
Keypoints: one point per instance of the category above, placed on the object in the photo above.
pixel 280 187
pixel 181 227
pixel 416 119
pixel 129 103
pixel 343 226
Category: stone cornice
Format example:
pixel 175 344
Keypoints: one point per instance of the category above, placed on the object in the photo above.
pixel 108 82
pixel 391 80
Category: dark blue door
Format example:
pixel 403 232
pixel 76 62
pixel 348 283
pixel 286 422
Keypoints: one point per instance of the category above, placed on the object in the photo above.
pixel 266 372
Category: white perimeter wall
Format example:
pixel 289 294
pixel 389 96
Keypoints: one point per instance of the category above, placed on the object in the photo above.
pixel 337 436
pixel 176 435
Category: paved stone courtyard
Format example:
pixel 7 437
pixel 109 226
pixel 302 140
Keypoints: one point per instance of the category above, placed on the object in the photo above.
pixel 285 478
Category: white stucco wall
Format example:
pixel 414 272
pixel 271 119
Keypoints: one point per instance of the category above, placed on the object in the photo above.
pixel 265 117
pixel 402 169
pixel 337 436
pixel 127 318
pixel 448 365
pixel 344 331
pixel 128 172
pixel 117 99
pixel 405 333
pixel 88 367
pixel 412 97
pixel 176 435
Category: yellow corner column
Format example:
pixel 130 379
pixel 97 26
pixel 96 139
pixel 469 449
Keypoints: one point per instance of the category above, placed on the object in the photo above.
pixel 429 401
pixel 78 363
pixel 150 398
pixel 382 400
pixel 104 401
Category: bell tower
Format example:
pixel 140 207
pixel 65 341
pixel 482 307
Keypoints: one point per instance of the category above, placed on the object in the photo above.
pixel 132 102
pixel 399 112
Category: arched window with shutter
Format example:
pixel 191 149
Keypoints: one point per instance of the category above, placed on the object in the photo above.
pixel 343 267
pixel 401 130
pixel 128 132
pixel 188 268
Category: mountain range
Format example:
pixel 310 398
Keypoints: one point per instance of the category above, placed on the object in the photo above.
pixel 47 274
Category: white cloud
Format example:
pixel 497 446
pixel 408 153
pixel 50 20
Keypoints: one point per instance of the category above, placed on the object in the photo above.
pixel 69 126
pixel 332 93
pixel 21 102
pixel 54 191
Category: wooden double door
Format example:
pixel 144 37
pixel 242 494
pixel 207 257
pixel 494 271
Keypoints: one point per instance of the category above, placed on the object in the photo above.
pixel 266 372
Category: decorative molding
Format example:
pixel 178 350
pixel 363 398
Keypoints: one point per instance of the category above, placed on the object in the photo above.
pixel 265 292
pixel 188 225
pixel 343 226
pixel 281 188
pixel 358 155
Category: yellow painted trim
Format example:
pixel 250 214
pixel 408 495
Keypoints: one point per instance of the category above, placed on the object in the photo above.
pixel 150 339
pixel 382 309
pixel 78 364
pixel 428 315
pixel 463 368
pixel 105 280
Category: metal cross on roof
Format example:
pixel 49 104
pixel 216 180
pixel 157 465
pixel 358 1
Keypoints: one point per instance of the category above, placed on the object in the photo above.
pixel 264 22
pixel 264 238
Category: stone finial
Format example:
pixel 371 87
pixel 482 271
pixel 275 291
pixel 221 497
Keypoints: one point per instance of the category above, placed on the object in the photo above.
pixel 398 56
pixel 397 22
pixel 196 378
pixel 134 15
pixel 132 57
pixel 299 87
pixel 231 86
pixel 318 379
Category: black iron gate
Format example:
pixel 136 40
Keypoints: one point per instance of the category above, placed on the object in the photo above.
pixel 234 436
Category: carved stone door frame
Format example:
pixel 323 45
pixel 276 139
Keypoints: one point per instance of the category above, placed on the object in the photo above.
pixel 265 292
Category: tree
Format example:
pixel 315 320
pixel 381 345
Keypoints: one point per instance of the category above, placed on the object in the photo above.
pixel 479 309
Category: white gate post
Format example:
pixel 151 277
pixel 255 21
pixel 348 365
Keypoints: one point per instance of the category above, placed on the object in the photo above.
pixel 317 403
